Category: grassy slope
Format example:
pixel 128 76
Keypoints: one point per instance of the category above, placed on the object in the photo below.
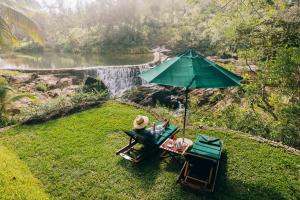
pixel 74 158
pixel 16 181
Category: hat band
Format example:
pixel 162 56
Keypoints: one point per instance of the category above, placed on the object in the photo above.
pixel 140 121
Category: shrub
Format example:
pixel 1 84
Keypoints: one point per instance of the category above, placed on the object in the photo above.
pixel 4 122
pixel 215 98
pixel 44 110
pixel 248 121
pixel 288 128
pixel 62 106
pixel 81 96
pixel 42 87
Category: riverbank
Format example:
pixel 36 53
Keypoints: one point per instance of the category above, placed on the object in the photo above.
pixel 32 98
pixel 46 85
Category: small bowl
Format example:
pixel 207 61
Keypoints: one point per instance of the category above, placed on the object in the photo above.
pixel 170 145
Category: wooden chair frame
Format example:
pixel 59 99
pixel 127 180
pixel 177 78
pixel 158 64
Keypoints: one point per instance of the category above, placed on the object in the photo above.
pixel 204 185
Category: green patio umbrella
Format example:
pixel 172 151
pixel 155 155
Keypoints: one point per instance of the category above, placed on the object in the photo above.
pixel 191 70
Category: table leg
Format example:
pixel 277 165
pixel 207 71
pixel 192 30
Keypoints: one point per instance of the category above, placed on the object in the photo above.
pixel 167 154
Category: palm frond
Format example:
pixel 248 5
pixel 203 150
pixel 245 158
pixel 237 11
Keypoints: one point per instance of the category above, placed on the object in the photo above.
pixel 27 6
pixel 24 3
pixel 4 104
pixel 4 88
pixel 5 33
pixel 7 88
pixel 19 19
pixel 18 97
pixel 32 3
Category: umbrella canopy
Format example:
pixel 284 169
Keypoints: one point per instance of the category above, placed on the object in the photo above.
pixel 191 70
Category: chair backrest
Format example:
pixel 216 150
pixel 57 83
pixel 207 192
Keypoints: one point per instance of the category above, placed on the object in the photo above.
pixel 139 138
pixel 198 160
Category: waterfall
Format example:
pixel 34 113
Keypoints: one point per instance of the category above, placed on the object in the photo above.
pixel 119 79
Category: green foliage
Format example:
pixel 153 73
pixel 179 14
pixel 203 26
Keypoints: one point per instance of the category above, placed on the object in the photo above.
pixel 29 47
pixel 244 120
pixel 275 118
pixel 38 111
pixel 216 98
pixel 41 86
pixel 129 25
pixel 62 105
pixel 82 96
pixel 4 73
pixel 268 34
pixel 288 128
pixel 74 157
pixel 4 88
pixel 285 71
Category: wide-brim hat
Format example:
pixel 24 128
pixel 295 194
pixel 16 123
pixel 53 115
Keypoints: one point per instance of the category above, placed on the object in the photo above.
pixel 140 122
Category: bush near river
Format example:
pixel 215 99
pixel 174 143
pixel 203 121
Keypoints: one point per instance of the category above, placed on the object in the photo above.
pixel 31 98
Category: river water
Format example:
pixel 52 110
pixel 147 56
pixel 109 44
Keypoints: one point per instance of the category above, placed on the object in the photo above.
pixel 59 61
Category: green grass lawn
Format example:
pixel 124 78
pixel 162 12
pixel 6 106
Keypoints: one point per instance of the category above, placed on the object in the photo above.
pixel 74 158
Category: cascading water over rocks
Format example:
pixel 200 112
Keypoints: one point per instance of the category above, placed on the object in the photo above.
pixel 119 79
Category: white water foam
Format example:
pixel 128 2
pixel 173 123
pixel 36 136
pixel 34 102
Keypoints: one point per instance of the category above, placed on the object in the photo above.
pixel 119 79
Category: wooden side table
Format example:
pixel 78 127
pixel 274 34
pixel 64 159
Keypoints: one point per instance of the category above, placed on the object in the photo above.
pixel 170 150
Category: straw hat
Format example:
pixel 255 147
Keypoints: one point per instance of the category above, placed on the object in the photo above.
pixel 140 122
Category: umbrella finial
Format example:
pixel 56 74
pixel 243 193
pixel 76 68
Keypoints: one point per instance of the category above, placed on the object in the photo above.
pixel 192 53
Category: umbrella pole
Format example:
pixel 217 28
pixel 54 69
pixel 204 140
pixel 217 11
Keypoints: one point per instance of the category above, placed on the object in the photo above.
pixel 185 110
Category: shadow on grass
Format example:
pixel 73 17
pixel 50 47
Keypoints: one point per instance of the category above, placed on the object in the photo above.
pixel 172 164
pixel 145 172
pixel 149 169
pixel 234 189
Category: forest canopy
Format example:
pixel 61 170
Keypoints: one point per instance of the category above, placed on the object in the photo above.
pixel 210 26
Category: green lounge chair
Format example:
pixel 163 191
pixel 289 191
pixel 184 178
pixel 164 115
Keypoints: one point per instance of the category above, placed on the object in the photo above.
pixel 134 155
pixel 202 162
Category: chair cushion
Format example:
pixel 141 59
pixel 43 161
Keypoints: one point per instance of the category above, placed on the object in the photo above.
pixel 207 146
pixel 168 132
pixel 140 138
pixel 209 140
